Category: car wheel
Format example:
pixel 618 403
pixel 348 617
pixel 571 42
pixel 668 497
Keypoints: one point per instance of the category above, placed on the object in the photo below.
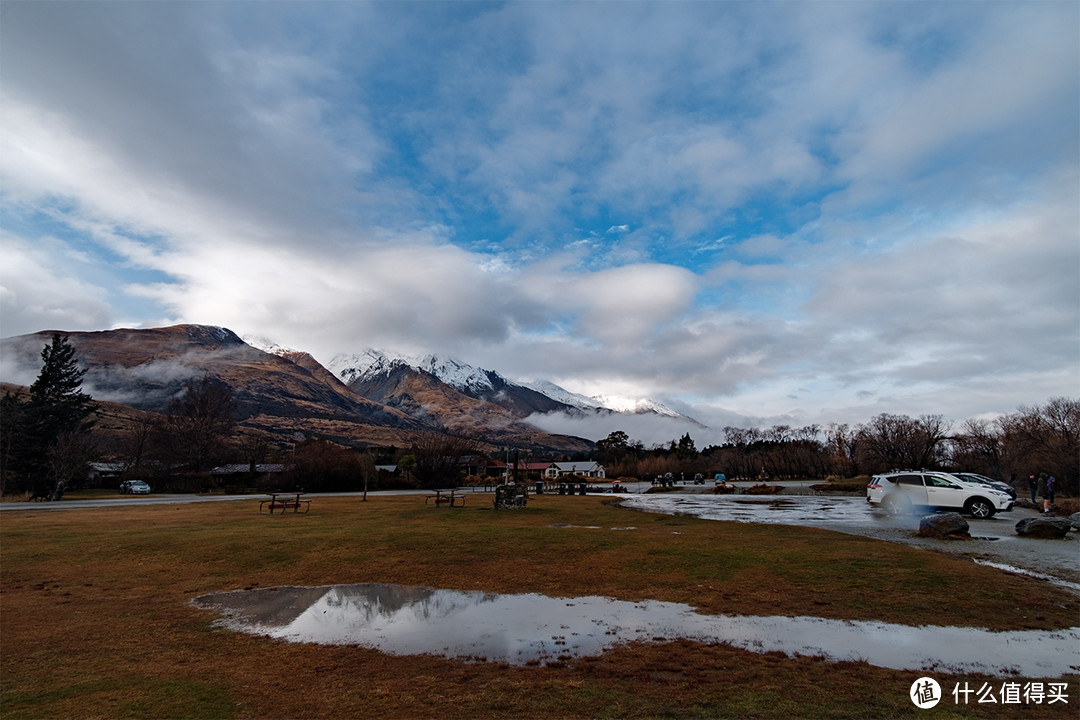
pixel 897 505
pixel 979 508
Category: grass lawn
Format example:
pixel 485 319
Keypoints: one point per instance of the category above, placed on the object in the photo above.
pixel 95 619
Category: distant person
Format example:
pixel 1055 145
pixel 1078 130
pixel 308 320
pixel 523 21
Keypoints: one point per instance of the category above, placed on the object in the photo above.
pixel 1033 486
pixel 1048 496
pixel 1044 492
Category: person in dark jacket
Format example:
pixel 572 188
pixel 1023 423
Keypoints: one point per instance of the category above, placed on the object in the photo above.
pixel 1033 486
pixel 1046 491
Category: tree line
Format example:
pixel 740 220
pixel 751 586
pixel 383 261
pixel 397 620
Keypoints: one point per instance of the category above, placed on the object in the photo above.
pixel 1040 438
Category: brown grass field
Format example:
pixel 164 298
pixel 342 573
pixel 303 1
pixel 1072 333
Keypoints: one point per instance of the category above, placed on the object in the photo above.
pixel 95 618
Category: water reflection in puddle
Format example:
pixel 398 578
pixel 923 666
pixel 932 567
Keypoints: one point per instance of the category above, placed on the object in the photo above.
pixel 531 628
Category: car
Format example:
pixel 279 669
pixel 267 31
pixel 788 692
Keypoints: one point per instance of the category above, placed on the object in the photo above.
pixel 901 492
pixel 134 487
pixel 989 482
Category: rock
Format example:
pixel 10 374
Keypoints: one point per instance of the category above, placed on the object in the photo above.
pixel 509 497
pixel 945 525
pixel 1043 527
pixel 1074 519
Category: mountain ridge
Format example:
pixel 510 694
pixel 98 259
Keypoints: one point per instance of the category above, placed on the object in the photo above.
pixel 357 371
pixel 286 393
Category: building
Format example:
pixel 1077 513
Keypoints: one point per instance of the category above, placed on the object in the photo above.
pixel 581 469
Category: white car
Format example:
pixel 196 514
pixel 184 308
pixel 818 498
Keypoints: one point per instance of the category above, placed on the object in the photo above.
pixel 902 492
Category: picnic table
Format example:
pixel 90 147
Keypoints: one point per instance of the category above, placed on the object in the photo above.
pixel 285 501
pixel 446 498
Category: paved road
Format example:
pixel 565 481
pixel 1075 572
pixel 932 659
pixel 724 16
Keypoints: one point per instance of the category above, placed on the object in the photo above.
pixel 171 499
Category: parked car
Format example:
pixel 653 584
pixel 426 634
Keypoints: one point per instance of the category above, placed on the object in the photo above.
pixel 902 492
pixel 989 482
pixel 134 487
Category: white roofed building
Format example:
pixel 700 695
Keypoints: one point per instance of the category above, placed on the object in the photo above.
pixel 581 469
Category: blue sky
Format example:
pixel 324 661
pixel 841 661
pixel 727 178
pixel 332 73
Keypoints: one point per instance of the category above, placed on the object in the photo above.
pixel 756 212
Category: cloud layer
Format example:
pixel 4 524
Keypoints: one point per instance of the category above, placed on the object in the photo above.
pixel 781 212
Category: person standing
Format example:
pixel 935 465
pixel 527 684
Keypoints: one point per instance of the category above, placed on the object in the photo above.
pixel 1043 491
pixel 1033 486
pixel 1048 496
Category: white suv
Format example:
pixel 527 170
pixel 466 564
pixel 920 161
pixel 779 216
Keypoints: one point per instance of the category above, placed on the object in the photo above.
pixel 900 492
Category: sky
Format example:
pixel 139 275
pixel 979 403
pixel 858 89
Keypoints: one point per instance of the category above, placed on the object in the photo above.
pixel 757 213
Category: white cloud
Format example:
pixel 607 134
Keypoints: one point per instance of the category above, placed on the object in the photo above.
pixel 539 188
pixel 40 289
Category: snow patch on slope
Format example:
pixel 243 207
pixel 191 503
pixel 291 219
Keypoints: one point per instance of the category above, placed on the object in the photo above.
pixel 634 405
pixel 563 395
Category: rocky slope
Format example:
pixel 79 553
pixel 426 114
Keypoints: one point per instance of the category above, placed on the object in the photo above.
pixel 288 394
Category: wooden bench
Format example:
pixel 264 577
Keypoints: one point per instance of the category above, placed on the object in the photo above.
pixel 285 502
pixel 447 498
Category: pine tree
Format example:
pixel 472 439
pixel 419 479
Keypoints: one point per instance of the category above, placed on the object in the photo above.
pixel 43 433
pixel 56 396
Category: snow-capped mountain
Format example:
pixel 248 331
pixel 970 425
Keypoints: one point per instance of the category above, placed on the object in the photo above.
pixel 370 362
pixel 368 373
pixel 458 375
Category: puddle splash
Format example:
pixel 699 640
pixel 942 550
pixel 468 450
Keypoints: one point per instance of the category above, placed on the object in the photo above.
pixel 535 629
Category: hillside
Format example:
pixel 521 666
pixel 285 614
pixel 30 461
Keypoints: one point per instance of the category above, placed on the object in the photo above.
pixel 288 394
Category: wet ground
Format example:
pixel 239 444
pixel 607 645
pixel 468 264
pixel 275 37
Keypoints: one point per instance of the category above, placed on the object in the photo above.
pixel 530 629
pixel 993 541
pixel 533 629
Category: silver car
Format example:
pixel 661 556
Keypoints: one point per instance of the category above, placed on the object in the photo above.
pixel 134 487
pixel 990 482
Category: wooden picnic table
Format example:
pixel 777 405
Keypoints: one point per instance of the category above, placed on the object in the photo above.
pixel 285 501
pixel 448 498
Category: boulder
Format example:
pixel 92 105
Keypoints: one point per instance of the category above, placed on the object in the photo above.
pixel 1043 527
pixel 945 525
pixel 1074 520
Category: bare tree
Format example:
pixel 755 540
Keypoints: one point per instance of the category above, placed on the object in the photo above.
pixel 200 422
pixel 900 441
pixel 137 437
pixel 979 447
pixel 1045 439
pixel 67 460
pixel 439 457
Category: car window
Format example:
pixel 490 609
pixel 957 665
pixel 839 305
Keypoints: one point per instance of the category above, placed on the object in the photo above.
pixel 909 480
pixel 935 481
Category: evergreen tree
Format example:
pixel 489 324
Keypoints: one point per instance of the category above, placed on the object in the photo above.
pixel 56 396
pixel 686 450
pixel 43 432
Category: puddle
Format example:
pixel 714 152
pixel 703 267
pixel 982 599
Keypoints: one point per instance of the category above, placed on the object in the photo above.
pixel 536 629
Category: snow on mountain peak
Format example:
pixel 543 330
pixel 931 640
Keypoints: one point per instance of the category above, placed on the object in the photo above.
pixel 347 367
pixel 456 374
pixel 266 345
pixel 632 405
pixel 563 395
pixel 453 372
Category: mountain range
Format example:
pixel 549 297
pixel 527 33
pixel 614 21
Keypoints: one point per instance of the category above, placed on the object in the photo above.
pixel 370 398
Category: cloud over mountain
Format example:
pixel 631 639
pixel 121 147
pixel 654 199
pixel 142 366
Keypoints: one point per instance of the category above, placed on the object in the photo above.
pixel 808 211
